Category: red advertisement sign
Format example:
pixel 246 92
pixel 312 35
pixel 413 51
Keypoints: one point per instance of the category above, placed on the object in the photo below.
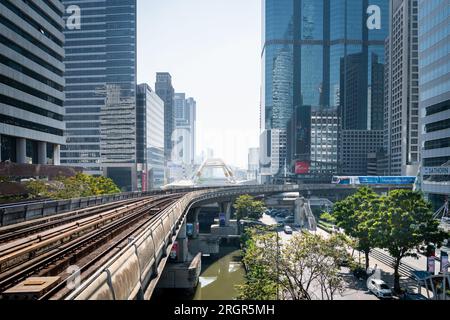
pixel 302 167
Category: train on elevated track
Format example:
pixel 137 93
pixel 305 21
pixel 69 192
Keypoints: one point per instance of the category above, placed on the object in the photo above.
pixel 373 180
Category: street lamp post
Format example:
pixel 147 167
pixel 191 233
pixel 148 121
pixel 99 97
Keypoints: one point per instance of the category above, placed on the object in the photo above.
pixel 445 272
pixel 278 267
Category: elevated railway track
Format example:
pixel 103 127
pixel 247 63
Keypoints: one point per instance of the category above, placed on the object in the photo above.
pixel 83 242
pixel 118 247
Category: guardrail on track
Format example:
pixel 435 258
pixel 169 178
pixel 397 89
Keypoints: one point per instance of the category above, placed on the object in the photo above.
pixel 21 212
pixel 128 275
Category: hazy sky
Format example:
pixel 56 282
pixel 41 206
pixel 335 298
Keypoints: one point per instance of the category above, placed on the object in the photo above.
pixel 212 50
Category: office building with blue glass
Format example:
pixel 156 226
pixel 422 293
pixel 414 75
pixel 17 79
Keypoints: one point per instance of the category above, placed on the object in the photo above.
pixel 321 56
pixel 434 96
pixel 150 138
pixel 100 100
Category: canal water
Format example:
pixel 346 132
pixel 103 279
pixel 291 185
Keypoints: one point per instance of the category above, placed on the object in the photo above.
pixel 218 279
pixel 220 276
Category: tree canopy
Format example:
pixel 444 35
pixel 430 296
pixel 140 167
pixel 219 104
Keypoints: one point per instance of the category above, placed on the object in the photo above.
pixel 248 208
pixel 358 215
pixel 305 267
pixel 406 221
pixel 79 186
pixel 399 222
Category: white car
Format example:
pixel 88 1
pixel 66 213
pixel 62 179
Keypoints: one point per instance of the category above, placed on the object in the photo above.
pixel 379 288
pixel 288 230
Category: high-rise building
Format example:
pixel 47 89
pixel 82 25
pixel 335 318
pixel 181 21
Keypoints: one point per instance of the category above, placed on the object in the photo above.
pixel 101 91
pixel 356 148
pixel 150 138
pixel 183 152
pixel 253 164
pixel 185 125
pixel 165 90
pixel 320 55
pixel 31 81
pixel 434 88
pixel 402 90
pixel 324 143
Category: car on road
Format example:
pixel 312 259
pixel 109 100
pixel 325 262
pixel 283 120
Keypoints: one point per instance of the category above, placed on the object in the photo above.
pixel 413 296
pixel 289 220
pixel 287 230
pixel 379 288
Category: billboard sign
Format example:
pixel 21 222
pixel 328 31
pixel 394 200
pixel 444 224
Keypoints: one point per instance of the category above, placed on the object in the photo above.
pixel 436 171
pixel 302 167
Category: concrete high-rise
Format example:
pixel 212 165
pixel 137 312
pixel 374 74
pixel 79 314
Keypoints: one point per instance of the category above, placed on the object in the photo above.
pixel 401 138
pixel 319 56
pixel 185 128
pixel 101 91
pixel 253 164
pixel 150 138
pixel 184 135
pixel 31 81
pixel 165 90
pixel 434 88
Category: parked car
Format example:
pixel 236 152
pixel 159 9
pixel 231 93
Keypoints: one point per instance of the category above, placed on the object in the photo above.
pixel 289 220
pixel 287 230
pixel 379 288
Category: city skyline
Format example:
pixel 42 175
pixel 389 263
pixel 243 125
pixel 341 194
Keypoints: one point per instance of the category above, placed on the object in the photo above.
pixel 258 150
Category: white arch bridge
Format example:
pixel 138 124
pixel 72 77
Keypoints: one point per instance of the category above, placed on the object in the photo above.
pixel 211 173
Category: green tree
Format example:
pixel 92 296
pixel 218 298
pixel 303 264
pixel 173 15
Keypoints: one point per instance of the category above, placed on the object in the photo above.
pixel 305 266
pixel 37 189
pixel 247 207
pixel 406 222
pixel 357 215
pixel 260 279
pixel 328 217
pixel 78 186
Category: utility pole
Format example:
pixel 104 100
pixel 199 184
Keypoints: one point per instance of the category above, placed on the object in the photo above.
pixel 278 266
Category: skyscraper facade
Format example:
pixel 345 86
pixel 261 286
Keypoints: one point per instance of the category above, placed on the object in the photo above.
pixel 31 81
pixel 321 55
pixel 185 128
pixel 253 164
pixel 402 90
pixel 184 135
pixel 434 104
pixel 150 138
pixel 101 91
pixel 165 90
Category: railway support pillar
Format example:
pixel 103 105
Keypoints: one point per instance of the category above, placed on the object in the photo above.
pixel 225 212
pixel 182 244
pixel 196 231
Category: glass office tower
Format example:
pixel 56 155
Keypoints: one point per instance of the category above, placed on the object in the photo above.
pixel 101 91
pixel 434 96
pixel 150 138
pixel 319 56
